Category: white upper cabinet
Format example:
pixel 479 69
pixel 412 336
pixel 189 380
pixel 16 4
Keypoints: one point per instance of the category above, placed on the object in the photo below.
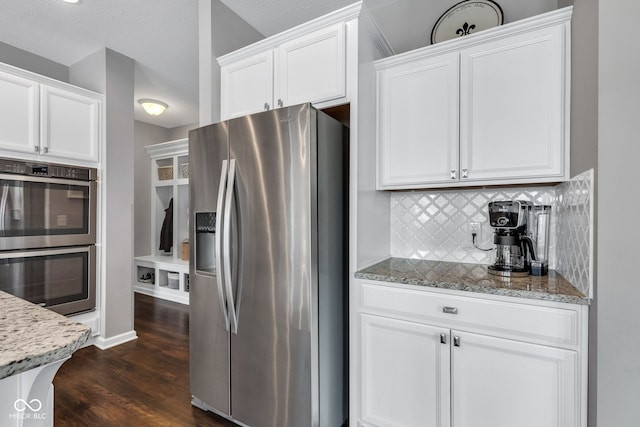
pixel 70 124
pixel 506 121
pixel 418 121
pixel 247 85
pixel 512 107
pixel 41 117
pixel 306 64
pixel 311 67
pixel 18 113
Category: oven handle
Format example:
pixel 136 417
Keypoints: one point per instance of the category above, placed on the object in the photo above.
pixel 3 207
pixel 45 252
pixel 45 179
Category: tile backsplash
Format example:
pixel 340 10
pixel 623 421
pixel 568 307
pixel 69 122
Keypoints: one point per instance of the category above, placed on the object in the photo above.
pixel 433 225
pixel 575 226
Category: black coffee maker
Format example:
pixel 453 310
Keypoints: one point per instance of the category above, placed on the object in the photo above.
pixel 521 237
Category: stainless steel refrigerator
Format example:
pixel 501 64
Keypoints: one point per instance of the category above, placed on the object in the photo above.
pixel 267 269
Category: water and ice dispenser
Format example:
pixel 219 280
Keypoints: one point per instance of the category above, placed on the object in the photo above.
pixel 205 247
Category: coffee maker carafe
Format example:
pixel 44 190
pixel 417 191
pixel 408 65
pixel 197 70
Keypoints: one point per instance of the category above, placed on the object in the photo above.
pixel 521 237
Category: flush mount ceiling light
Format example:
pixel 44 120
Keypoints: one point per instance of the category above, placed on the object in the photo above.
pixel 153 107
pixel 71 1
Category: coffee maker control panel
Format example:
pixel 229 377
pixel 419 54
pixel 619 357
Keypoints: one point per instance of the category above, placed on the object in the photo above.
pixel 508 214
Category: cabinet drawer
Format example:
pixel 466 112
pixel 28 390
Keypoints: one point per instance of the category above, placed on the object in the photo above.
pixel 534 323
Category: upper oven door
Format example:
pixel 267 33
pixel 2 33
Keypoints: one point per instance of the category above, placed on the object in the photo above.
pixel 38 212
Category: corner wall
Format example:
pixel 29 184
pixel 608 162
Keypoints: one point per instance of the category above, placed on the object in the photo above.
pixel 36 64
pixel 112 74
pixel 220 31
pixel 618 291
pixel 144 134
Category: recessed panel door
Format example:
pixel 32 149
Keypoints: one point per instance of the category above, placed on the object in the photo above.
pixel 418 123
pixel 488 375
pixel 404 373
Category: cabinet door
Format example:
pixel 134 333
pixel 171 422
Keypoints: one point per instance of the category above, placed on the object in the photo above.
pixel 70 124
pixel 512 112
pixel 18 114
pixel 418 123
pixel 404 374
pixel 247 86
pixel 504 383
pixel 311 68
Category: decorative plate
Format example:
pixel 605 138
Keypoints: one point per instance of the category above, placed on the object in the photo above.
pixel 467 17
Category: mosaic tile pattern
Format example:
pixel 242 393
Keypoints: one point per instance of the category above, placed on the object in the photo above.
pixel 575 231
pixel 433 225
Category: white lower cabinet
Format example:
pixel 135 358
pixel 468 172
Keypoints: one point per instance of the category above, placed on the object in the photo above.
pixel 503 383
pixel 432 359
pixel 405 373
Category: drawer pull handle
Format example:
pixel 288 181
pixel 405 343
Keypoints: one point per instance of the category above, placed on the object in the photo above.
pixel 450 310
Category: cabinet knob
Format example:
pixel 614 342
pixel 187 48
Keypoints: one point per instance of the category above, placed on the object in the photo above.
pixel 266 106
pixel 456 341
pixel 453 174
pixel 280 103
pixel 36 149
pixel 443 338
pixel 465 173
pixel 45 150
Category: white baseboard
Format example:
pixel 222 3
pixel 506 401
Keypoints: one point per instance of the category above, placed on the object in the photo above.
pixel 164 293
pixel 105 343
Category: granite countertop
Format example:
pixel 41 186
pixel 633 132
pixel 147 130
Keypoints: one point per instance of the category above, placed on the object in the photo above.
pixel 32 336
pixel 472 278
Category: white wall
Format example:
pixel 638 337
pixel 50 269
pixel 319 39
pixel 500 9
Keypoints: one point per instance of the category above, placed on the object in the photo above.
pixel 144 134
pixel 584 142
pixel 147 134
pixel 180 131
pixel 34 63
pixel 111 74
pixel 618 293
pixel 220 31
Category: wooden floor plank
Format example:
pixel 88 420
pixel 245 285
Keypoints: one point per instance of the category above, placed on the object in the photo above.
pixel 141 383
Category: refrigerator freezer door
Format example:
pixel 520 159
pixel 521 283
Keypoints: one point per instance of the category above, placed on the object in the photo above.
pixel 209 341
pixel 272 362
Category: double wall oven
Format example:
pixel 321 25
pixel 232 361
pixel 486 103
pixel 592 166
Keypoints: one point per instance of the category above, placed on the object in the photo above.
pixel 48 234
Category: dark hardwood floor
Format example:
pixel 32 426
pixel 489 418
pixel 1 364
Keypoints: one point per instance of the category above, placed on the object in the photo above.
pixel 141 383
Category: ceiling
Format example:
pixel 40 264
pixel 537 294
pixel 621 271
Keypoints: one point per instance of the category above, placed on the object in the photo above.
pixel 162 35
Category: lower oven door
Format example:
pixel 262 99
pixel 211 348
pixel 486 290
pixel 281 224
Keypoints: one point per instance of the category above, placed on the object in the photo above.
pixel 61 279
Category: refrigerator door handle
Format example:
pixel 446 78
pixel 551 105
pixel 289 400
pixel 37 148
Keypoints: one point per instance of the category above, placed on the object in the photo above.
pixel 218 242
pixel 233 317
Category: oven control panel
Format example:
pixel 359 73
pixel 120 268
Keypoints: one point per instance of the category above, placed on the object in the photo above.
pixel 18 167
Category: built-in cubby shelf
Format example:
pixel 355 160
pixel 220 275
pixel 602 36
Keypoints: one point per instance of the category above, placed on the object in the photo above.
pixel 154 277
pixel 165 273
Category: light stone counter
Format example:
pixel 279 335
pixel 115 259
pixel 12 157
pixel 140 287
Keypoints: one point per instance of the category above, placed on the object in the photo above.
pixel 34 343
pixel 32 336
pixel 472 278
